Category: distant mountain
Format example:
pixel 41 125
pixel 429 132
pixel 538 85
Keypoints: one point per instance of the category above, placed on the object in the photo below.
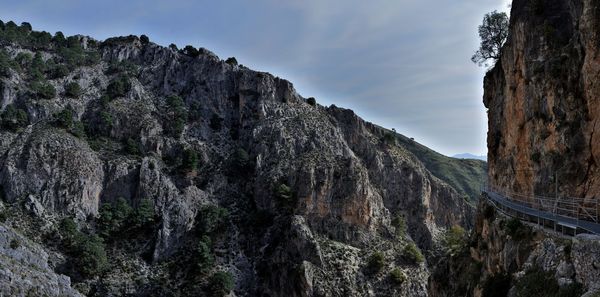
pixel 465 175
pixel 470 156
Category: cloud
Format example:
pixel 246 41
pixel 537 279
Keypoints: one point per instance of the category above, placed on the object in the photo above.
pixel 402 64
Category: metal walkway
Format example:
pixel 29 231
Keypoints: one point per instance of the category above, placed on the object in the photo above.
pixel 577 225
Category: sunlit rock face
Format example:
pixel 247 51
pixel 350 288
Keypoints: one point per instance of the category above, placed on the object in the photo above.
pixel 543 104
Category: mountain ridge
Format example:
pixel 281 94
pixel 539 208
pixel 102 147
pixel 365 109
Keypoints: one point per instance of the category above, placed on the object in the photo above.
pixel 174 173
pixel 470 156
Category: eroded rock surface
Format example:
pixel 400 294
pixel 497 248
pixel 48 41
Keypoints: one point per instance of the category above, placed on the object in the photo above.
pixel 542 98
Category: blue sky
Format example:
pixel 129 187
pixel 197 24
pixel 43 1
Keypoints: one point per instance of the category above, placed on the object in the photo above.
pixel 402 64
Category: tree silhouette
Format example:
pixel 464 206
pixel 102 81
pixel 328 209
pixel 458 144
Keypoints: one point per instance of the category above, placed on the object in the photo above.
pixel 493 33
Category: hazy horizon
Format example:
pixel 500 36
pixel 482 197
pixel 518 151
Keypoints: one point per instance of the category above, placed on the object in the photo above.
pixel 402 65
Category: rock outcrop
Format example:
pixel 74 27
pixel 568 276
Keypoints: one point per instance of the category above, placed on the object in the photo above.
pixel 307 194
pixel 542 97
pixel 25 270
pixel 505 257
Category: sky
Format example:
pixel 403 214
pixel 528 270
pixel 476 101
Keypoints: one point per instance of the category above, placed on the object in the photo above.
pixel 402 64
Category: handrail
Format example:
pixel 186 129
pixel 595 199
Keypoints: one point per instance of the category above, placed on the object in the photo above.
pixel 573 207
pixel 580 212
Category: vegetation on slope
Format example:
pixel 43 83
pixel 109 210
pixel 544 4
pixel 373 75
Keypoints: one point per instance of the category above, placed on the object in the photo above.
pixel 464 175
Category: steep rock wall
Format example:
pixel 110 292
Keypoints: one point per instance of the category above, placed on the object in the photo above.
pixel 542 97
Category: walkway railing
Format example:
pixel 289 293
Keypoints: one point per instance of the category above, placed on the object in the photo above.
pixel 570 207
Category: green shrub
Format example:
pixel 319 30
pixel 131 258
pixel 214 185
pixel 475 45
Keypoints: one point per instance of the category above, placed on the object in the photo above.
pixel 43 90
pixel 412 253
pixel 37 67
pixel 64 118
pixel 144 214
pixel 311 101
pixel 132 147
pixel 68 229
pixel 106 121
pixel 205 258
pixel 72 90
pixel 118 87
pixel 73 55
pixel 175 102
pixel 284 195
pixel 538 283
pixel 87 251
pixel 58 71
pixel 144 39
pixel 241 163
pixel 40 40
pixel 14 244
pixel 210 219
pixel 5 64
pixel 26 27
pixel 59 39
pixel 398 276
pixel 90 257
pixel 77 129
pixel 189 162
pixel 123 67
pixel 517 230
pixel 376 262
pixel 455 240
pixel 177 115
pixel 388 138
pixel 399 222
pixel 220 284
pixel 14 118
pixel 114 218
pixel 23 59
pixel 231 61
pixel 191 51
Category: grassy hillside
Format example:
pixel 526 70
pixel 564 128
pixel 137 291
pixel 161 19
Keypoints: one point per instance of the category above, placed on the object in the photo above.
pixel 465 175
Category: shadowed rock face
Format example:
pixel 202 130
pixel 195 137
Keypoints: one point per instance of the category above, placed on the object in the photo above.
pixel 542 98
pixel 348 181
pixel 25 269
pixel 503 253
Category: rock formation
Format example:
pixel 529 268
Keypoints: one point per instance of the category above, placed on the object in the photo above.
pixel 542 97
pixel 196 176
pixel 505 257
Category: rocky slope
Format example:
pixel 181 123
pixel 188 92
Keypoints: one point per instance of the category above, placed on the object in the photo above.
pixel 542 99
pixel 145 170
pixel 465 175
pixel 505 257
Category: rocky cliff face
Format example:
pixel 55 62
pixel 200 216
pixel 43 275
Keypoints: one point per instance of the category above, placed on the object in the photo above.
pixel 197 176
pixel 505 257
pixel 543 110
pixel 542 97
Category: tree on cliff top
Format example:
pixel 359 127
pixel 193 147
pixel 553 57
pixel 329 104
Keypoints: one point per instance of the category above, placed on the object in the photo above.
pixel 493 33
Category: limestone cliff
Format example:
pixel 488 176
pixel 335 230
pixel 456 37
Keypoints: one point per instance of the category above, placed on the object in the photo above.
pixel 542 97
pixel 181 174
